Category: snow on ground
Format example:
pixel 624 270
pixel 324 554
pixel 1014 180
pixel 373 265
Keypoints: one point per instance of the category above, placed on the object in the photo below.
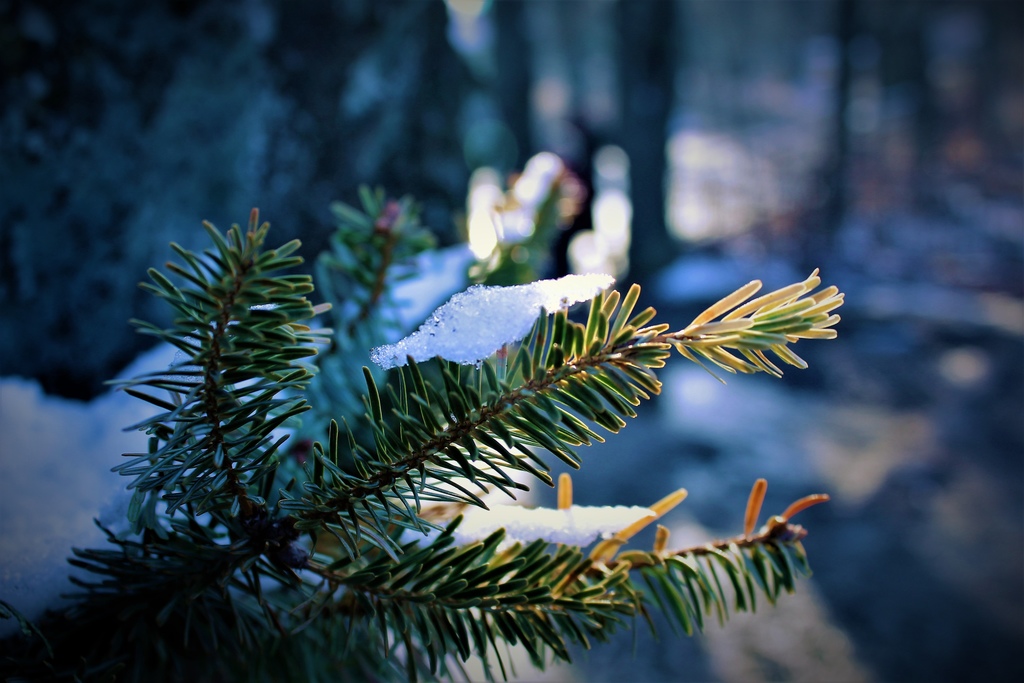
pixel 55 478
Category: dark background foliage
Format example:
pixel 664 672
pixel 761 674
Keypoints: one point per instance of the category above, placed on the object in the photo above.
pixel 126 124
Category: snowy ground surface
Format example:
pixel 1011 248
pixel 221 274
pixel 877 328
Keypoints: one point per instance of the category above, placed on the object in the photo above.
pixel 55 478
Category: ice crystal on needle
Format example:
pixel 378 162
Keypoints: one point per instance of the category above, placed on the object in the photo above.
pixel 476 323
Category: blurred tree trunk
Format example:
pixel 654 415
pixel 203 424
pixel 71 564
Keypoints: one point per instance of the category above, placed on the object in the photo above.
pixel 837 160
pixel 515 74
pixel 648 36
pixel 903 69
pixel 121 131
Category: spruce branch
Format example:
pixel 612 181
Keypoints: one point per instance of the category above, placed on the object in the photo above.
pixel 236 556
pixel 465 599
pixel 565 378
pixel 212 451
pixel 154 608
pixel 751 327
pixel 371 249
pixel 686 586
pixel 243 346
pixel 481 426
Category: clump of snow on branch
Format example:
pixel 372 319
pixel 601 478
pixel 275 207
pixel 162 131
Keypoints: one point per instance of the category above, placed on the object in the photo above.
pixel 478 322
pixel 438 274
pixel 579 525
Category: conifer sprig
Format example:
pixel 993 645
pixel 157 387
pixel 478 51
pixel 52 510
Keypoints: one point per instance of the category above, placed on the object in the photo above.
pixel 469 599
pixel 464 434
pixel 466 600
pixel 236 379
pixel 371 249
pixel 218 558
pixel 438 444
pixel 752 326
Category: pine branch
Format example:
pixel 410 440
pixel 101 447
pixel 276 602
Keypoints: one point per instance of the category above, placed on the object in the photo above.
pixel 448 600
pixel 243 581
pixel 212 451
pixel 565 376
pixel 751 327
pixel 155 610
pixel 239 332
pixel 465 600
pixel 481 427
pixel 371 249
pixel 686 586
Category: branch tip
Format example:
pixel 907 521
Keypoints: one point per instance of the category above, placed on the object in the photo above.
pixel 804 503
pixel 754 503
pixel 564 491
pixel 661 539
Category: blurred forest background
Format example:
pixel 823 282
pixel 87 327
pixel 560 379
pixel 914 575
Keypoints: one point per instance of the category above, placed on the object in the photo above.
pixel 721 140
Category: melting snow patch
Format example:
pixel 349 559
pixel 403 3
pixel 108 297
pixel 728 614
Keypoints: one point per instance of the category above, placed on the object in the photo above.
pixel 476 323
pixel 579 525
